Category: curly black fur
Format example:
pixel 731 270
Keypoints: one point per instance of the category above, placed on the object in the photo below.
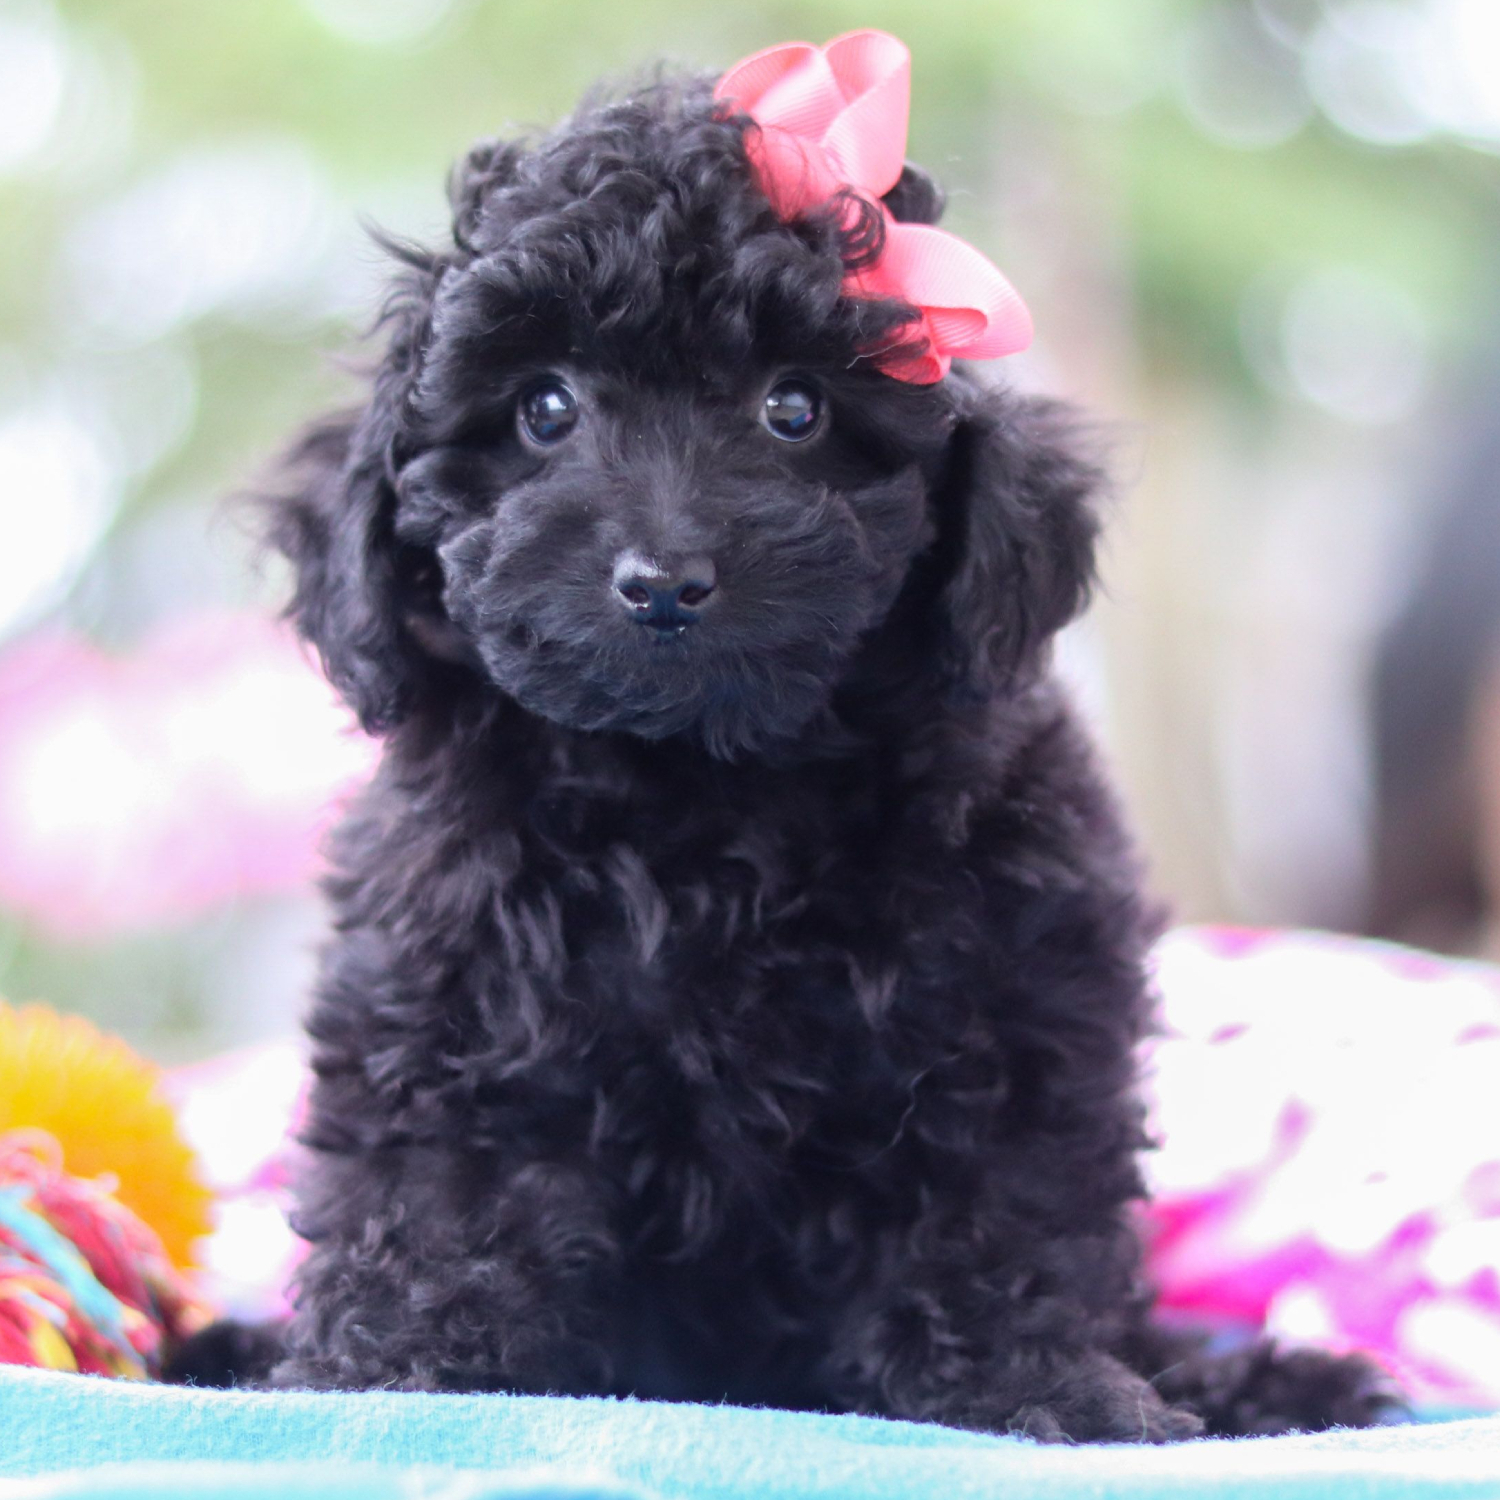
pixel 747 1013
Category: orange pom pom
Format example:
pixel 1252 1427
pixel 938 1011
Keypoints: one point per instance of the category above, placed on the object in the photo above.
pixel 103 1105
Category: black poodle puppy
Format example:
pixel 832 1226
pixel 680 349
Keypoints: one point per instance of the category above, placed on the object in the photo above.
pixel 737 963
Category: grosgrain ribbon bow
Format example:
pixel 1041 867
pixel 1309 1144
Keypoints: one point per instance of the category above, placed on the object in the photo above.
pixel 833 119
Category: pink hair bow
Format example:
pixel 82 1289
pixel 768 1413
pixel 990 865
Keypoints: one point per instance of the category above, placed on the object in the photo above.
pixel 834 119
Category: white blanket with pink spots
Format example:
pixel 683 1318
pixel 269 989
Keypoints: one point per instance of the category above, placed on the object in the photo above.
pixel 1329 1117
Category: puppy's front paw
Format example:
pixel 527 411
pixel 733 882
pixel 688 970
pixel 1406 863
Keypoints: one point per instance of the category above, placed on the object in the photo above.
pixel 1145 1422
pixel 1262 1389
pixel 1100 1401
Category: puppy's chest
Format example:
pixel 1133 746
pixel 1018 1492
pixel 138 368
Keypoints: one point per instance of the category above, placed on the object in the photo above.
pixel 648 944
pixel 754 972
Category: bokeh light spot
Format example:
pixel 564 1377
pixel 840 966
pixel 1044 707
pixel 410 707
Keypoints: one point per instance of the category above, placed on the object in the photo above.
pixel 381 23
pixel 33 71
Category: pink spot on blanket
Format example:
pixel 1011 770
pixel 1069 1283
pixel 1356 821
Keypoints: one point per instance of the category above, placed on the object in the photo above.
pixel 1232 942
pixel 1482 1189
pixel 1230 1033
pixel 1482 1032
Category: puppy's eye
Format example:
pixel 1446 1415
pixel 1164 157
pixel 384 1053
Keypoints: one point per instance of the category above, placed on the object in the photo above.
pixel 793 411
pixel 548 412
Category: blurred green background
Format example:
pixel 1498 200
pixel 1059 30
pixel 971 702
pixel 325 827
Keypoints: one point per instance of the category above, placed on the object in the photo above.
pixel 1259 240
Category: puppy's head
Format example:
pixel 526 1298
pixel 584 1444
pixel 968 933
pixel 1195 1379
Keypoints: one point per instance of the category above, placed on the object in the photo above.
pixel 631 459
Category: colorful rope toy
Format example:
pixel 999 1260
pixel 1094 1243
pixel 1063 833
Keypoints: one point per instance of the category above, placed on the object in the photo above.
pixel 86 1284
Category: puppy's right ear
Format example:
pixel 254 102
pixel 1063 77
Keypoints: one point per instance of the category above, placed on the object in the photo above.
pixel 333 518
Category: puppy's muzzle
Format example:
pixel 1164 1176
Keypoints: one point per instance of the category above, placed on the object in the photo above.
pixel 667 595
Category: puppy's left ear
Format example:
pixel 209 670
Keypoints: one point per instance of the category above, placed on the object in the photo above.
pixel 1018 522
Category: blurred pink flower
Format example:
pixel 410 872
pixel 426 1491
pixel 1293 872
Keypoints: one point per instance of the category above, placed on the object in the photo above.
pixel 142 790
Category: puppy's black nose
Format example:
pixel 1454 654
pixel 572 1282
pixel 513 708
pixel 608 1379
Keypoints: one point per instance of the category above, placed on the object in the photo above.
pixel 668 596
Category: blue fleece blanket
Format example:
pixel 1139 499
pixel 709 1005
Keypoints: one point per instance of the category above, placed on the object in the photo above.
pixel 69 1435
